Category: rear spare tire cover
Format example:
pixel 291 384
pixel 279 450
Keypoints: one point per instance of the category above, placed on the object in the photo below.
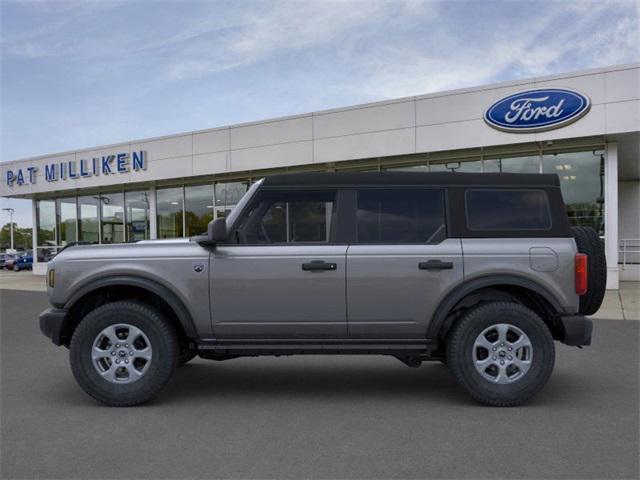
pixel 588 242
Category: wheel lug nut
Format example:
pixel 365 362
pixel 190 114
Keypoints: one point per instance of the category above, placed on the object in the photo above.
pixel 502 344
pixel 126 361
pixel 494 348
pixel 113 353
pixel 126 345
pixel 501 362
pixel 495 358
pixel 510 348
pixel 510 357
pixel 131 353
pixel 117 345
pixel 117 361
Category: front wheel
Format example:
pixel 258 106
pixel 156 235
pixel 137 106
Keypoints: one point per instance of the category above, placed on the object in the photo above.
pixel 123 353
pixel 502 353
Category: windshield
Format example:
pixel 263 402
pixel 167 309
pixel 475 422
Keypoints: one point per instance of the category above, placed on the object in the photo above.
pixel 233 216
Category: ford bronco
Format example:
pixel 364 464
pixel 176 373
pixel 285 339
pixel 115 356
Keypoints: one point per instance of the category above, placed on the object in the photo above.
pixel 479 271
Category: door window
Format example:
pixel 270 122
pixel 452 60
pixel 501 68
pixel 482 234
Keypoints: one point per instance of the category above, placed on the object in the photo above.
pixel 289 217
pixel 401 216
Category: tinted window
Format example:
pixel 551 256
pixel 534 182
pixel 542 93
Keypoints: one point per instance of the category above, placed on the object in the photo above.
pixel 401 216
pixel 507 210
pixel 289 217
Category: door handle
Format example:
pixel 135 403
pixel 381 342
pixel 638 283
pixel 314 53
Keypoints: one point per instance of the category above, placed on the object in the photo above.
pixel 435 265
pixel 318 266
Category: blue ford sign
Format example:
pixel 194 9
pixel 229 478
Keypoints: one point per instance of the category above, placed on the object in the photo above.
pixel 537 110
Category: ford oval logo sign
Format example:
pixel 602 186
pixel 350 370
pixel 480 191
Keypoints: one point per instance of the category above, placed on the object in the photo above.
pixel 537 110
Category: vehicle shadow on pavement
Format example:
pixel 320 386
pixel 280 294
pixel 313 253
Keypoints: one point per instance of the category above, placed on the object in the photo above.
pixel 432 382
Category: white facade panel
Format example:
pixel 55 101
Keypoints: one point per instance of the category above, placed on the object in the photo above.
pixel 593 123
pixel 623 116
pixel 211 163
pixel 166 168
pixel 461 107
pixel 211 141
pixel 284 155
pixel 362 120
pixel 623 85
pixel 271 133
pixel 367 145
pixel 171 147
pixel 591 85
pixel 469 134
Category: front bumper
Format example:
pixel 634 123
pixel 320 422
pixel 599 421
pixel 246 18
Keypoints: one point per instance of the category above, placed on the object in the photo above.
pixel 577 330
pixel 52 324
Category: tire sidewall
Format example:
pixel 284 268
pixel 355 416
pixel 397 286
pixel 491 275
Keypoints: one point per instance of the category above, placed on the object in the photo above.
pixel 163 344
pixel 460 353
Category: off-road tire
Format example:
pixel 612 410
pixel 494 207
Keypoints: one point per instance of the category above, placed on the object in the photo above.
pixel 164 347
pixel 459 353
pixel 588 242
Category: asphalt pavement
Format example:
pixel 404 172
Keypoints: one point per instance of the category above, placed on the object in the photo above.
pixel 316 416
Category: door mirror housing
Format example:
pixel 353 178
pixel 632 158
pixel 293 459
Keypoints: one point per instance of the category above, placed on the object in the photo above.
pixel 217 230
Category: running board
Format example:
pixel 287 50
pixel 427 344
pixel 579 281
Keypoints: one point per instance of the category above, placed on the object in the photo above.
pixel 316 347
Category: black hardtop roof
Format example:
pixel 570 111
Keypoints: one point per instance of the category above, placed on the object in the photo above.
pixel 412 178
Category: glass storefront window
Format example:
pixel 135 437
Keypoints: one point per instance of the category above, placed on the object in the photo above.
pixel 582 184
pixel 408 168
pixel 469 166
pixel 67 220
pixel 88 227
pixel 46 229
pixel 137 216
pixel 529 164
pixel 198 208
pixel 46 222
pixel 112 217
pixel 169 212
pixel 227 195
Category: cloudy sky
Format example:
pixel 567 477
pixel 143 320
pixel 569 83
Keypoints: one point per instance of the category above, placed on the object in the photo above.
pixel 80 74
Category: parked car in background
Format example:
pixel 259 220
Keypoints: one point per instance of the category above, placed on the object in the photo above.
pixel 23 262
pixel 6 258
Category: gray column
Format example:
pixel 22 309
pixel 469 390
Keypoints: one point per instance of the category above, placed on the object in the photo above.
pixel 611 214
pixel 153 218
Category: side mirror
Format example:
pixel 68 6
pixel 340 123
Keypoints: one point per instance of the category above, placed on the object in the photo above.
pixel 217 230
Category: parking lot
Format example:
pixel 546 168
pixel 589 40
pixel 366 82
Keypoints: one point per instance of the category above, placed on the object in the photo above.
pixel 316 417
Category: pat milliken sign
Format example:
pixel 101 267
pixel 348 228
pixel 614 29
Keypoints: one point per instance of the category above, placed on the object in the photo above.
pixel 117 163
pixel 537 110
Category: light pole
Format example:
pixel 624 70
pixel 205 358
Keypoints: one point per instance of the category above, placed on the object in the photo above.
pixel 11 212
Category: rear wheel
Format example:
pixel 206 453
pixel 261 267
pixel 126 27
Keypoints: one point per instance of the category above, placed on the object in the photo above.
pixel 123 353
pixel 16 268
pixel 502 353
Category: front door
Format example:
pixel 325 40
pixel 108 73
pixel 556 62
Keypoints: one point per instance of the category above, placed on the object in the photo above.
pixel 401 263
pixel 284 276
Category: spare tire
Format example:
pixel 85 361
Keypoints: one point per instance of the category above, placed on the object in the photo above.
pixel 588 242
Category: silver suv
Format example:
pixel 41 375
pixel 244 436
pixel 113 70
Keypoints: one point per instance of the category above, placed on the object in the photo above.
pixel 479 271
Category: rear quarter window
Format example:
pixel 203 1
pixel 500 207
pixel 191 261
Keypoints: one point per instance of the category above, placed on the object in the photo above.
pixel 503 210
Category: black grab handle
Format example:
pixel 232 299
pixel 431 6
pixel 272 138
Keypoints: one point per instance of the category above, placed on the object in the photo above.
pixel 318 266
pixel 435 265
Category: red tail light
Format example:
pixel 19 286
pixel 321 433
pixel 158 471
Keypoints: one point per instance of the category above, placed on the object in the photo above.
pixel 581 273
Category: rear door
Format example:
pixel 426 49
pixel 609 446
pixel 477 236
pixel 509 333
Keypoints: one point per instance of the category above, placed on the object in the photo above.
pixel 285 275
pixel 401 263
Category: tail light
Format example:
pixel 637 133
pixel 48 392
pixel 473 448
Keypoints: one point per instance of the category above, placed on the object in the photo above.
pixel 581 273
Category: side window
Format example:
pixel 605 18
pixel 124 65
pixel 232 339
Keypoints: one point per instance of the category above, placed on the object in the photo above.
pixel 401 216
pixel 507 210
pixel 289 217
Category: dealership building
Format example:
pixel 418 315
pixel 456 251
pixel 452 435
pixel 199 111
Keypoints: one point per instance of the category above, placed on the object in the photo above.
pixel 583 126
